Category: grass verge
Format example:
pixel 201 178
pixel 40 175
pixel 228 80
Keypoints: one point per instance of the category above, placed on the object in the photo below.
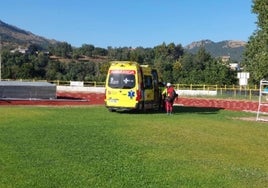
pixel 91 147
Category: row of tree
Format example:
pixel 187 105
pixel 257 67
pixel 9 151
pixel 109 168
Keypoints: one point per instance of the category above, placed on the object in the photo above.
pixel 173 63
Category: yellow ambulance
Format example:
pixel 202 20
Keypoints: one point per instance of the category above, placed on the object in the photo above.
pixel 130 86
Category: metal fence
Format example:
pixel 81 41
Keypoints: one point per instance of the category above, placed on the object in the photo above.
pixel 225 91
pixel 231 91
pixel 85 83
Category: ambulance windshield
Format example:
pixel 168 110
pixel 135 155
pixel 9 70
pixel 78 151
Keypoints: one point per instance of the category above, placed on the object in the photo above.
pixel 123 81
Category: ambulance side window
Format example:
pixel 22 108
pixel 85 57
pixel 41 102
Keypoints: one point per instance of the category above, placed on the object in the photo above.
pixel 148 82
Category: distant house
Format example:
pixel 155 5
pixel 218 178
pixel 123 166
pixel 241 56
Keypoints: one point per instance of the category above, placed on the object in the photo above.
pixel 20 50
pixel 234 66
pixel 54 57
pixel 225 58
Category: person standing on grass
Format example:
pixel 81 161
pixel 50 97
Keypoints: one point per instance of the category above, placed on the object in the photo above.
pixel 169 95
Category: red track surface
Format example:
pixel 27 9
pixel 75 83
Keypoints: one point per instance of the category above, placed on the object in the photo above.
pixel 86 98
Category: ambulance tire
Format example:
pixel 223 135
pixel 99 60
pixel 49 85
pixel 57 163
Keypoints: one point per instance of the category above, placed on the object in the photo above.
pixel 111 110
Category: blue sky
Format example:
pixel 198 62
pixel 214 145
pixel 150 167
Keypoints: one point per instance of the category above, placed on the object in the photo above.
pixel 132 23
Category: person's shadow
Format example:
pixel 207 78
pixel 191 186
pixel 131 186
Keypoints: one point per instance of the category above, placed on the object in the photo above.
pixel 199 110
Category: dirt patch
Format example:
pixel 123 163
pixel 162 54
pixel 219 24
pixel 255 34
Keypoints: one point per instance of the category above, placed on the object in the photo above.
pixel 252 119
pixel 246 118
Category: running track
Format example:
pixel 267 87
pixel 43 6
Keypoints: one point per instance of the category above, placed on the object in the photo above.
pixel 88 98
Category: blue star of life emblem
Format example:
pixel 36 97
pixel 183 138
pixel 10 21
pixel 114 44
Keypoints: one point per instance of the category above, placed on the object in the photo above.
pixel 131 94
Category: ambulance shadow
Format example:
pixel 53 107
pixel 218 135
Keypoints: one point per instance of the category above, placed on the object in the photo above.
pixel 198 110
pixel 177 110
pixel 68 98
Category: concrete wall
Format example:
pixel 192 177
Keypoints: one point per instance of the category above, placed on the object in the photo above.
pixel 102 90
pixel 27 90
pixel 81 89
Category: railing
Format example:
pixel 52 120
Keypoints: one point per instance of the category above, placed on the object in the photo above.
pixel 225 91
pixel 85 83
pixel 62 83
pixel 233 91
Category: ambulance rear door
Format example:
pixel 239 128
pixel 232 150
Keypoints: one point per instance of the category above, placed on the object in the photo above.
pixel 121 89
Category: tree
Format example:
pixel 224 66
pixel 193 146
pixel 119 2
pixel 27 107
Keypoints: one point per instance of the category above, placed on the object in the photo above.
pixel 201 68
pixel 55 71
pixel 87 49
pixel 216 72
pixel 99 52
pixel 174 51
pixel 26 71
pixel 256 52
pixel 62 49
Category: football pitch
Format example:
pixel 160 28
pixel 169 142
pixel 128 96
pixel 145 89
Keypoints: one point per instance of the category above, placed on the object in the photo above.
pixel 92 147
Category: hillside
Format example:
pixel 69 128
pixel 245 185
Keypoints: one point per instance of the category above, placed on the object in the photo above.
pixel 231 48
pixel 12 36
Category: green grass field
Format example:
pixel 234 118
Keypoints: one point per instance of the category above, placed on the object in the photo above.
pixel 92 147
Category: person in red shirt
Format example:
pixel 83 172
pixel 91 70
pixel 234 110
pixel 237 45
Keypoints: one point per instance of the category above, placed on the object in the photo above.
pixel 169 96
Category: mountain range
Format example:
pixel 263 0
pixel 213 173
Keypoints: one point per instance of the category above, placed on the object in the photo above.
pixel 232 48
pixel 13 37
